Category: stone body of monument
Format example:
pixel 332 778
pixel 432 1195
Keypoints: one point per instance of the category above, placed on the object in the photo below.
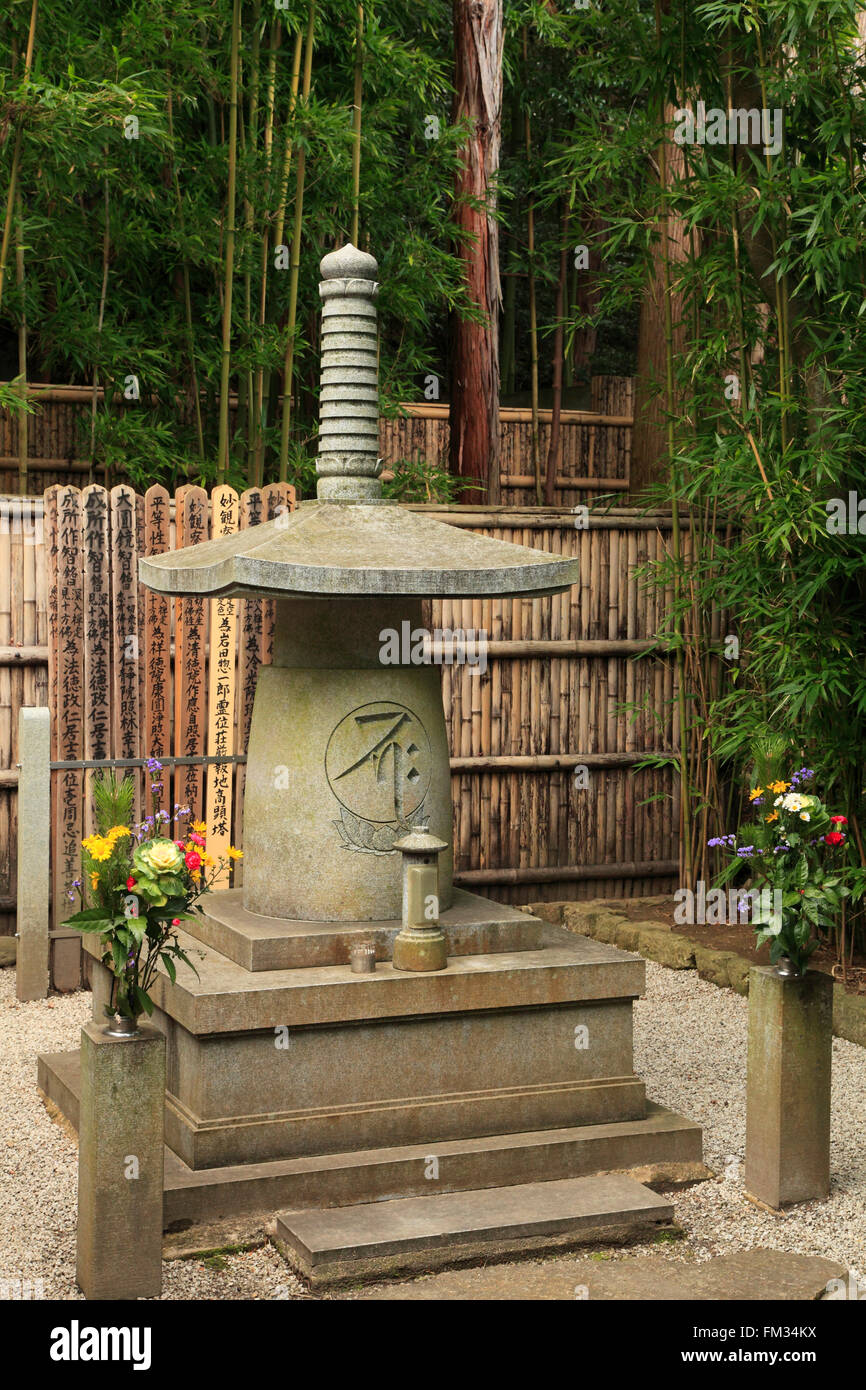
pixel 495 1074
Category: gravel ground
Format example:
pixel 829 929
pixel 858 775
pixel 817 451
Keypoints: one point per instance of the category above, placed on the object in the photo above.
pixel 690 1047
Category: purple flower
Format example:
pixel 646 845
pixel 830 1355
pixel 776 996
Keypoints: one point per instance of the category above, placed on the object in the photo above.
pixel 153 765
pixel 804 775
pixel 758 801
pixel 781 849
pixel 722 841
pixel 746 851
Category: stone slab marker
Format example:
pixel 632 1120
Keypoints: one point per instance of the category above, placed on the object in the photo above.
pixel 120 1164
pixel 34 828
pixel 788 1088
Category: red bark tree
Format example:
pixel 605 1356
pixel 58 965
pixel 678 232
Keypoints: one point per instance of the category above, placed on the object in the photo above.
pixel 474 391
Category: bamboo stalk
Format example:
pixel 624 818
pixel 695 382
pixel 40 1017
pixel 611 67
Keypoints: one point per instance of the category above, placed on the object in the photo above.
pixel 289 362
pixel 533 311
pixel 223 444
pixel 187 296
pixel 16 156
pixel 249 214
pixel 356 113
pixel 554 451
pixel 106 251
pixel 260 394
pixel 566 873
pixel 22 347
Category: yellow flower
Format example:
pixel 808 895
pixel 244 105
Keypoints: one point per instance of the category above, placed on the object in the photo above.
pixel 94 878
pixel 199 827
pixel 117 832
pixel 97 847
pixel 207 860
pixel 774 815
pixel 234 853
pixel 779 787
pixel 759 791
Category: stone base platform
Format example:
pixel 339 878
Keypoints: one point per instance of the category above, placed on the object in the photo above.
pixel 286 1063
pixel 661 1148
pixel 306 1087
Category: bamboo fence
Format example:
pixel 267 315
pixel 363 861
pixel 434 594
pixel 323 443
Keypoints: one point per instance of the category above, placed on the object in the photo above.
pixel 595 444
pixel 548 798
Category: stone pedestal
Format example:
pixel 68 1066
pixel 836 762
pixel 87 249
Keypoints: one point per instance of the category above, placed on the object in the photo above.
pixel 346 753
pixel 121 1164
pixel 788 1100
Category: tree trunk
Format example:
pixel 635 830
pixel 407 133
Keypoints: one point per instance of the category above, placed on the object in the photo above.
pixel 474 394
pixel 555 447
pixel 585 294
pixel 649 438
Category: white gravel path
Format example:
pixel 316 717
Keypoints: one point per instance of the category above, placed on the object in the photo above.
pixel 690 1047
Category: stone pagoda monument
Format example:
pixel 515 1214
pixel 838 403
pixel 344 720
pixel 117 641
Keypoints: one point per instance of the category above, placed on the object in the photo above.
pixel 462 1097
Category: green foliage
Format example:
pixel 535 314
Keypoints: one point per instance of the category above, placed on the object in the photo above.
pixel 416 479
pixel 113 800
pixel 114 227
pixel 769 290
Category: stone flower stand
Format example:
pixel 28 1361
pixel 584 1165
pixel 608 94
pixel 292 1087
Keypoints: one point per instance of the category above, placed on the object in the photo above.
pixel 121 1164
pixel 788 1087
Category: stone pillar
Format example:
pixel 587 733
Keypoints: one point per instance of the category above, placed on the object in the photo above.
pixel 788 1087
pixel 120 1164
pixel 34 826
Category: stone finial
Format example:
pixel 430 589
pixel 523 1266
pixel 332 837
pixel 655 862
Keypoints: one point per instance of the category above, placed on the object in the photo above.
pixel 348 464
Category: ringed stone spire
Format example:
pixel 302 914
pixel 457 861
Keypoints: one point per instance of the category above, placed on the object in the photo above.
pixel 349 463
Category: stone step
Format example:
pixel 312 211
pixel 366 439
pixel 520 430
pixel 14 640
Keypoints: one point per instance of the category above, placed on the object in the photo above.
pixel 662 1147
pixel 330 1245
pixel 472 926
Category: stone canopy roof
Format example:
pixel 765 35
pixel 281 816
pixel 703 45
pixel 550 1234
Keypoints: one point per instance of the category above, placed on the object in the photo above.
pixel 356 550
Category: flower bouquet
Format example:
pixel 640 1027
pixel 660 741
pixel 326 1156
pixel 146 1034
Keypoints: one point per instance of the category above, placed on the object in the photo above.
pixel 141 884
pixel 791 850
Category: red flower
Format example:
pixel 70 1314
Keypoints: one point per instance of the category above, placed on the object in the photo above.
pixel 178 844
pixel 839 820
pixel 834 838
pixel 197 839
pixel 130 883
pixel 175 921
pixel 192 861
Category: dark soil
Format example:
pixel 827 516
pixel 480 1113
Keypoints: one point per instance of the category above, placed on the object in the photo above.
pixel 740 939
